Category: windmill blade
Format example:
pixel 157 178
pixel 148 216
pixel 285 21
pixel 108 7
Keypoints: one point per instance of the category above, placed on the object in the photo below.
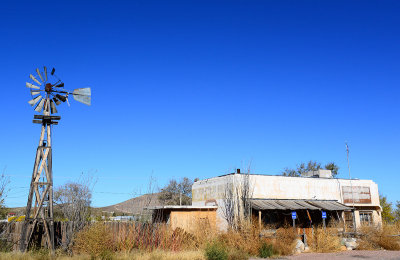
pixel 62 98
pixel 52 71
pixel 34 101
pixel 53 107
pixel 34 79
pixel 35 93
pixel 39 107
pixel 29 85
pixel 45 72
pixel 61 85
pixel 82 95
pixel 56 100
pixel 40 75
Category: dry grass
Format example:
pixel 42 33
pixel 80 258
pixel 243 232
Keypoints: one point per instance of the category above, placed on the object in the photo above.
pixel 95 240
pixel 374 238
pixel 284 243
pixel 155 255
pixel 161 255
pixel 246 239
pixel 325 241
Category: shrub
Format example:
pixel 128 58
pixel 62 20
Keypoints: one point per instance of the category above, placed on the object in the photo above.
pixel 266 250
pixel 216 251
pixel 376 238
pixel 20 219
pixel 246 239
pixel 325 240
pixel 95 240
pixel 237 254
pixel 285 238
pixel 5 246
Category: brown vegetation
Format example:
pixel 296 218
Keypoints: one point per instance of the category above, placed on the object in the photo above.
pixel 325 240
pixel 377 238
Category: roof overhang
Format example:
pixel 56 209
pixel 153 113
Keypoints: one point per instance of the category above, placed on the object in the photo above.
pixel 184 207
pixel 268 204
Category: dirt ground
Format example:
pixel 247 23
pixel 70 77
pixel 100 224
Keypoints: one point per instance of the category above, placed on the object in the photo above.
pixel 347 255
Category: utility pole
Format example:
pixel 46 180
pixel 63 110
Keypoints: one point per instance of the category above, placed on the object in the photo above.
pixel 351 186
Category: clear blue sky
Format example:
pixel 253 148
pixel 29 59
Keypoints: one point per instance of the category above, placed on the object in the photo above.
pixel 198 88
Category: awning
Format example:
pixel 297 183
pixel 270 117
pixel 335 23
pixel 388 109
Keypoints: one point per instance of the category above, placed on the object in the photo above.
pixel 263 204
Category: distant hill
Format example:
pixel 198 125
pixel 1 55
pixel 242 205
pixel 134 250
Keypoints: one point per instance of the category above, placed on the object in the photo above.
pixel 133 206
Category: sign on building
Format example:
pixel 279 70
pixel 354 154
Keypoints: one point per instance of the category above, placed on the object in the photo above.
pixel 361 194
pixel 294 215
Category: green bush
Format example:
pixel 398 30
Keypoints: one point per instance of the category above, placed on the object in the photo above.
pixel 266 250
pixel 216 251
pixel 5 246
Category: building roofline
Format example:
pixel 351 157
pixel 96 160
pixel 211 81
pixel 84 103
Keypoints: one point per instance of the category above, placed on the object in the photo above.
pixel 182 207
pixel 270 175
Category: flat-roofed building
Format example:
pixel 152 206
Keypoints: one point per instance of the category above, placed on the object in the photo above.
pixel 273 198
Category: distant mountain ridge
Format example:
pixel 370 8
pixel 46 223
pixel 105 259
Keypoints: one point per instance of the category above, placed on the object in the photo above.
pixel 133 206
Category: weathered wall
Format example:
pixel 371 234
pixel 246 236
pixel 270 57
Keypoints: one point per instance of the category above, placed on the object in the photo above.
pixel 283 187
pixel 193 219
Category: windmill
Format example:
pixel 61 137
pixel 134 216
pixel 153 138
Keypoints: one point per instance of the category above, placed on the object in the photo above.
pixel 47 93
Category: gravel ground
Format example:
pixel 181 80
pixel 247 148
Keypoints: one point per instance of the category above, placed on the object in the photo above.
pixel 346 255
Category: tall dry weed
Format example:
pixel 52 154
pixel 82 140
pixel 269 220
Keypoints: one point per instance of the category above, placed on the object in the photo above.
pixel 95 240
pixel 325 240
pixel 147 237
pixel 373 237
pixel 246 239
pixel 284 243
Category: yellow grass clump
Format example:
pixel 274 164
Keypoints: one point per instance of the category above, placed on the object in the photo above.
pixel 95 240
pixel 374 237
pixel 325 240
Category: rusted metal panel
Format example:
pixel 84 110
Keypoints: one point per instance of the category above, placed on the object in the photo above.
pixel 361 194
pixel 265 204
pixel 306 205
pixel 328 205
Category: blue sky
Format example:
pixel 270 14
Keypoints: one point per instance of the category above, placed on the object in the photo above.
pixel 199 88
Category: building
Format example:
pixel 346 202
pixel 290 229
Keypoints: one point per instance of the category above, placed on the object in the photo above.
pixel 188 218
pixel 272 199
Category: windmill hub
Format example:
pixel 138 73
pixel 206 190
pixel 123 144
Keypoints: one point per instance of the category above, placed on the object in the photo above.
pixel 48 87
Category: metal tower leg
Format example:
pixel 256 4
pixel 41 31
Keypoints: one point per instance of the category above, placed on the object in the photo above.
pixel 39 208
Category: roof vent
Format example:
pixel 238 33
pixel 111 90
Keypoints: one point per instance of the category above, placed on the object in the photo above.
pixel 319 174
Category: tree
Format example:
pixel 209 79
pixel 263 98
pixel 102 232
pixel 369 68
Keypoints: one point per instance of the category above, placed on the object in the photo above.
pixel 4 181
pixel 73 200
pixel 397 211
pixel 177 193
pixel 302 168
pixel 236 203
pixel 333 168
pixel 387 211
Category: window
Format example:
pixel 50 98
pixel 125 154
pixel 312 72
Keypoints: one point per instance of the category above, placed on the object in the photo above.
pixel 348 218
pixel 366 218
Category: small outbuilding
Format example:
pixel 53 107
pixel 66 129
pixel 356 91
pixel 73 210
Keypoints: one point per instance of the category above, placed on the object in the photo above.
pixel 188 218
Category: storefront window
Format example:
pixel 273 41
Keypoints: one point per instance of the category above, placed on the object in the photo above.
pixel 366 218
